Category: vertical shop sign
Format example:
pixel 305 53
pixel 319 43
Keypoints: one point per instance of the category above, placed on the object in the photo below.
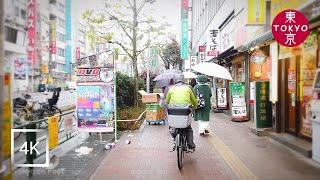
pixel 31 25
pixel 274 72
pixel 153 56
pixel 184 29
pixel 222 97
pixel 202 54
pixel 262 105
pixel 256 11
pixel 20 68
pixel 193 61
pixel 68 59
pixel 68 37
pixel 184 39
pixel 54 47
pixel 291 81
pixel 237 90
pixel 6 136
pixel 78 53
pixel 53 131
pixel 213 43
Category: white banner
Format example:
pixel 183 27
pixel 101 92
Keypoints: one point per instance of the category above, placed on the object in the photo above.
pixel 222 97
pixel 213 44
pixel 274 72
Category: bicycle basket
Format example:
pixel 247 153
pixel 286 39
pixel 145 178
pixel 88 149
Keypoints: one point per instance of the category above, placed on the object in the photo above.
pixel 179 121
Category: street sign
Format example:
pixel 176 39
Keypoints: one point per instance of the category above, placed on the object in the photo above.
pixel 184 39
pixel 184 13
pixel 153 56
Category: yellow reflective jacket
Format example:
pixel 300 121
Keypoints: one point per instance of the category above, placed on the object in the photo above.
pixel 181 94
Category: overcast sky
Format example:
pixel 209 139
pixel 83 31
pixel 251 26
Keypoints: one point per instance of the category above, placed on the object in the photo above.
pixel 168 8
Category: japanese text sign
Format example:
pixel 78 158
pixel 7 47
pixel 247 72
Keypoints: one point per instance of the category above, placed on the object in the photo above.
pixel 222 97
pixel 290 28
pixel 213 43
pixel 32 19
pixel 262 106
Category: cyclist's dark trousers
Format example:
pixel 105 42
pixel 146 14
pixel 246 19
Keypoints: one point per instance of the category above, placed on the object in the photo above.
pixel 189 134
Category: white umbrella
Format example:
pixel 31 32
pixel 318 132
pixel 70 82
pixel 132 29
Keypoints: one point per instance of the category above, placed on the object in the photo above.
pixel 189 75
pixel 167 75
pixel 212 69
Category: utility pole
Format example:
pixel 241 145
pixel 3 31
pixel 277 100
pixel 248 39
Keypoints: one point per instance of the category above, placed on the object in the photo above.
pixel 1 82
pixel 148 66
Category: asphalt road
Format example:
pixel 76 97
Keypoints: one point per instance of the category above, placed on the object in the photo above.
pixel 66 97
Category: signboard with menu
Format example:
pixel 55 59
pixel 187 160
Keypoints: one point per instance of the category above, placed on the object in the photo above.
pixel 237 90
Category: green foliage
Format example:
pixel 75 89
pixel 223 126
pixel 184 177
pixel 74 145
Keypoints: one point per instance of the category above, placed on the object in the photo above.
pixel 126 90
pixel 170 54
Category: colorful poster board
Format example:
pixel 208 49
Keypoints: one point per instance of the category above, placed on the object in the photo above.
pixel 95 93
pixel 262 105
pixel 6 135
pixel 237 90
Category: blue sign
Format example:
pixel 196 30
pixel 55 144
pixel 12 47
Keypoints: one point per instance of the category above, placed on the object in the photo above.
pixel 184 39
pixel 68 59
pixel 68 20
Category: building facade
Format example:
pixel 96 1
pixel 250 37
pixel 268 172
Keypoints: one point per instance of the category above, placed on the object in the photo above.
pixel 272 85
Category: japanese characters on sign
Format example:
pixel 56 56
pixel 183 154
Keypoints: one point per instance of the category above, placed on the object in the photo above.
pixel 227 36
pixel 184 29
pixel 291 81
pixel 222 97
pixel 201 54
pixel 262 106
pixel 290 28
pixel 68 37
pixel 78 53
pixel 193 61
pixel 213 43
pixel 237 90
pixel 32 19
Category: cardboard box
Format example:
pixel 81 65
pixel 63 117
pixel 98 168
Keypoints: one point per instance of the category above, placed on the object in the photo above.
pixel 150 97
pixel 155 115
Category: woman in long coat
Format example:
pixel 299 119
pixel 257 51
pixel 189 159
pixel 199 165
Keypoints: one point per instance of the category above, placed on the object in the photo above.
pixel 202 114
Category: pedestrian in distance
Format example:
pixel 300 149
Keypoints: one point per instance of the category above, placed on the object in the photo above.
pixel 193 82
pixel 202 113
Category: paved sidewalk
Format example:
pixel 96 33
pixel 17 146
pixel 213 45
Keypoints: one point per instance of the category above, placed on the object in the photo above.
pixel 149 157
pixel 266 158
pixel 231 151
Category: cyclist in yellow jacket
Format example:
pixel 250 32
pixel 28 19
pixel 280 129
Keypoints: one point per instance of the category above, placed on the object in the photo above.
pixel 181 93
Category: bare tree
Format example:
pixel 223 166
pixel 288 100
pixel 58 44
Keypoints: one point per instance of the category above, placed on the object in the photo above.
pixel 170 54
pixel 123 24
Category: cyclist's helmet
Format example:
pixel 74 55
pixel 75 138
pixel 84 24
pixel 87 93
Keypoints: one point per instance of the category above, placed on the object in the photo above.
pixel 179 79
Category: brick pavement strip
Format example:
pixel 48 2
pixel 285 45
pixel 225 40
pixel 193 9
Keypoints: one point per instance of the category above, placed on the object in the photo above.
pixel 149 157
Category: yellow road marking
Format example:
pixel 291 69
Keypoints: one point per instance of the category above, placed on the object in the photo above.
pixel 237 166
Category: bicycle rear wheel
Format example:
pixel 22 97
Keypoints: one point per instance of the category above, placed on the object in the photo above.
pixel 179 150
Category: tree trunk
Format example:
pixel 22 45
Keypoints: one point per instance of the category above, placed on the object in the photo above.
pixel 135 58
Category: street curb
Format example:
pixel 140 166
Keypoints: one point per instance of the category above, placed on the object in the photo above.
pixel 92 166
pixel 100 163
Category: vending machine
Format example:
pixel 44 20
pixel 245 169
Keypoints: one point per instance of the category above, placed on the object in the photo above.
pixel 315 109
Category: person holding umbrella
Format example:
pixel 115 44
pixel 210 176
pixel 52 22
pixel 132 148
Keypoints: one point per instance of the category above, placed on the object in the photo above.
pixel 202 113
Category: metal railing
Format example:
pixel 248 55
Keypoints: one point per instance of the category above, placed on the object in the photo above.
pixel 31 137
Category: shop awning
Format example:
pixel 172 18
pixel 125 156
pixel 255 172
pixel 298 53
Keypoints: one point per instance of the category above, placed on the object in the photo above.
pixel 259 40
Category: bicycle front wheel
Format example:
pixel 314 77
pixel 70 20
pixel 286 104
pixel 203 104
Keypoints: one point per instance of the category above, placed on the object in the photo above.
pixel 179 150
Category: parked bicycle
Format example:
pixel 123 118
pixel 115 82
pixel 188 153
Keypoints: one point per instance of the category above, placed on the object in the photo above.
pixel 179 117
pixel 27 110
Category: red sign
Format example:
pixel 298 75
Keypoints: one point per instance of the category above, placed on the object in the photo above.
pixel 78 53
pixel 54 47
pixel 290 28
pixel 32 14
pixel 213 53
pixel 202 49
pixel 184 4
pixel 88 72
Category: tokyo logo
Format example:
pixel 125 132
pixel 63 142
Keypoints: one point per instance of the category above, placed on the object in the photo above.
pixel 290 28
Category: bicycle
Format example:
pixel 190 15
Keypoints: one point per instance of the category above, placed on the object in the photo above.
pixel 179 118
